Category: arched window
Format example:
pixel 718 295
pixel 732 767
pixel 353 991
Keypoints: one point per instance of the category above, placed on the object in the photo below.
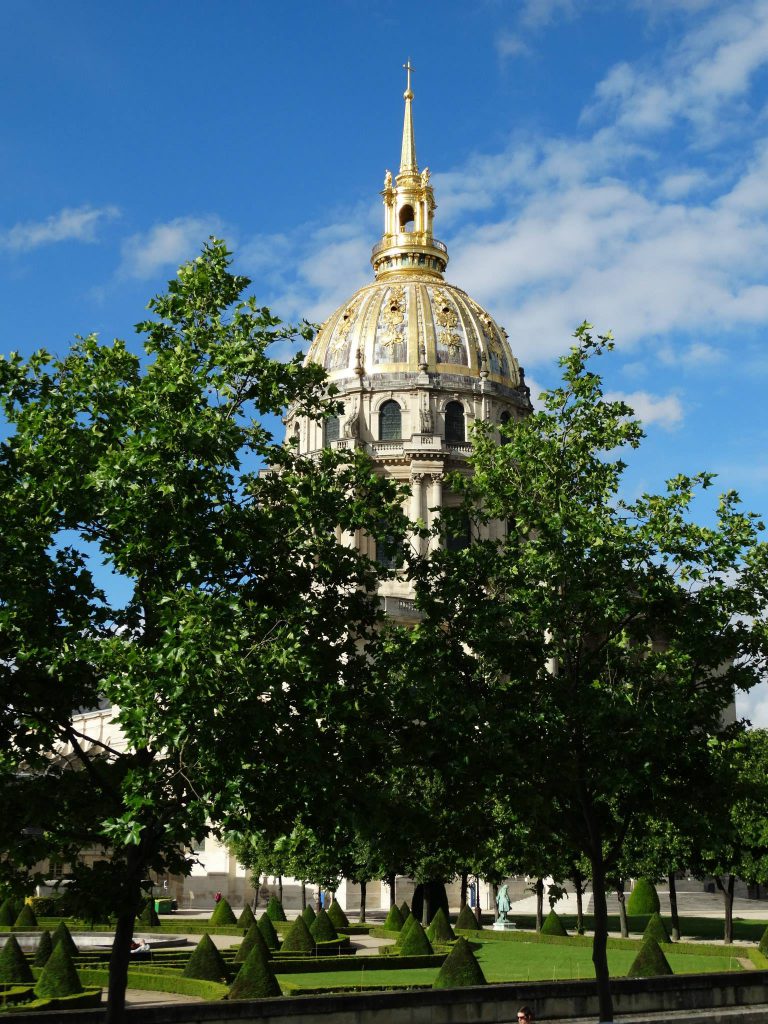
pixel 390 422
pixel 387 554
pixel 406 218
pixel 331 429
pixel 454 423
pixel 504 421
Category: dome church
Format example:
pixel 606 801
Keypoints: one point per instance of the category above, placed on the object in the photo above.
pixel 415 359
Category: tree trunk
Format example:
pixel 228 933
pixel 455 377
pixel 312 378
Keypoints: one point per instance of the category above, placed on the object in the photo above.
pixel 303 895
pixel 539 890
pixel 600 940
pixel 118 968
pixel 391 883
pixel 478 909
pixel 363 888
pixel 727 891
pixel 673 907
pixel 578 883
pixel 280 888
pixel 464 887
pixel 621 897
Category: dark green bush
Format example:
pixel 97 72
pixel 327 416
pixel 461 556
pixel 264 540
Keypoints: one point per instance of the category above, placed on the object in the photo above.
pixel 275 910
pixel 394 921
pixel 338 918
pixel 44 949
pixel 553 925
pixel 440 929
pixel 656 929
pixel 59 977
pixel 643 899
pixel 206 963
pixel 467 919
pixel 14 968
pixel 322 929
pixel 48 906
pixel 26 918
pixel 460 968
pixel 298 938
pixel 763 944
pixel 255 979
pixel 650 962
pixel 63 937
pixel 404 911
pixel 407 925
pixel 246 918
pixel 309 915
pixel 7 915
pixel 268 932
pixel 253 937
pixel 222 915
pixel 148 915
pixel 414 941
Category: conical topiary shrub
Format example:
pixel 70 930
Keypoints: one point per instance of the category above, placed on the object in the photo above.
pixel 656 929
pixel 298 938
pixel 275 910
pixel 338 918
pixel 404 911
pixel 222 915
pixel 255 979
pixel 643 899
pixel 148 916
pixel 440 929
pixel 460 968
pixel 63 937
pixel 415 941
pixel 650 962
pixel 407 925
pixel 59 977
pixel 206 963
pixel 14 969
pixel 309 915
pixel 763 943
pixel 246 918
pixel 322 929
pixel 553 925
pixel 7 916
pixel 44 949
pixel 268 932
pixel 394 920
pixel 26 918
pixel 252 938
pixel 467 919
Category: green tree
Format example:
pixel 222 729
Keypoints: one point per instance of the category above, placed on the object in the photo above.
pixel 245 629
pixel 609 635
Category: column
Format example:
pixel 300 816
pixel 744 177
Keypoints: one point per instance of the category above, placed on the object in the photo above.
pixel 436 504
pixel 416 507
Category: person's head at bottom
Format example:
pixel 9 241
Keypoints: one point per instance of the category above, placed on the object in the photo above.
pixel 525 1014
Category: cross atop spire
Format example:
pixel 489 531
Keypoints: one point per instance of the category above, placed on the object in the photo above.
pixel 408 164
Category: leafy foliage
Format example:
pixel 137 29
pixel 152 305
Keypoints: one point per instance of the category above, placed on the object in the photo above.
pixel 643 899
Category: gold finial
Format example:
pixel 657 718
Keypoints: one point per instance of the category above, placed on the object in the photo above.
pixel 408 163
pixel 408 95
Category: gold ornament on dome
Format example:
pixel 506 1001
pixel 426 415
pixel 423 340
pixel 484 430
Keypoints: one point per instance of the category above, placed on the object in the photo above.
pixel 447 320
pixel 338 350
pixel 392 320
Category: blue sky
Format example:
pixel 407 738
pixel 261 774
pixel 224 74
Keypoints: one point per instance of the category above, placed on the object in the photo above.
pixel 599 159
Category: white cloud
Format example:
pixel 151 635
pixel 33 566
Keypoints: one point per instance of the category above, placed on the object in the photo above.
pixel 166 245
pixel 72 224
pixel 535 13
pixel 754 706
pixel 664 410
pixel 510 45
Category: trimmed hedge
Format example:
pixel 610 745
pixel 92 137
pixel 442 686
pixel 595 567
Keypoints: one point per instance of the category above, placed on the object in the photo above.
pixel 10 995
pixel 44 949
pixel 222 914
pixel 268 932
pixel 650 962
pixel 246 918
pixel 440 929
pixel 415 941
pixel 553 925
pixel 656 929
pixel 322 929
pixel 309 915
pixel 298 939
pixel 253 939
pixel 85 1000
pixel 275 910
pixel 404 911
pixel 407 925
pixel 14 968
pixel 394 919
pixel 59 977
pixel 147 981
pixel 763 943
pixel 63 937
pixel 460 968
pixel 148 915
pixel 292 989
pixel 26 918
pixel 48 906
pixel 643 899
pixel 338 918
pixel 467 919
pixel 255 979
pixel 320 965
pixel 7 915
pixel 206 963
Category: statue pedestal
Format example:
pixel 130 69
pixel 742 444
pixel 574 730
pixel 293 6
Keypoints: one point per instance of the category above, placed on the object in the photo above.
pixel 503 926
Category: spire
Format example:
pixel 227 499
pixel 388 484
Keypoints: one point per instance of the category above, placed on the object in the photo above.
pixel 408 163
